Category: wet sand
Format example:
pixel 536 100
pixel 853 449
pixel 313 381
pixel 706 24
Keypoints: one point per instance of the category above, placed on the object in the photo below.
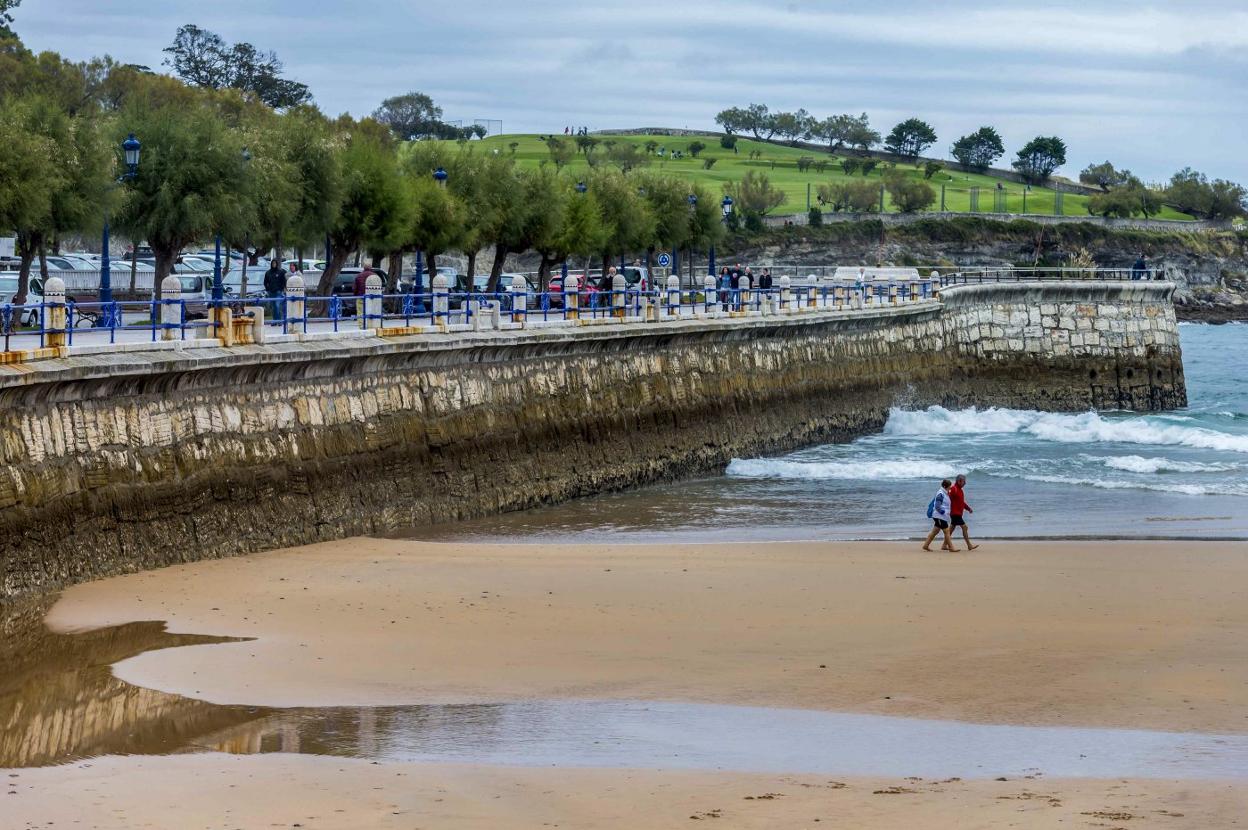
pixel 193 792
pixel 1136 634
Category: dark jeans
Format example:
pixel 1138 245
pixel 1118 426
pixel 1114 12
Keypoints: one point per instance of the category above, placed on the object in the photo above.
pixel 277 308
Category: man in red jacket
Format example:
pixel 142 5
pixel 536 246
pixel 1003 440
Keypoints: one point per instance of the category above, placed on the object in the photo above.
pixel 958 506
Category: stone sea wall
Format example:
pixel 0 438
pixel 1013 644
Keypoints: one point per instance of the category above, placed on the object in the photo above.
pixel 114 463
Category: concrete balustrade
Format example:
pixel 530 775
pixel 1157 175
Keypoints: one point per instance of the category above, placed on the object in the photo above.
pixel 571 296
pixel 441 299
pixel 296 298
pixel 519 299
pixel 370 317
pixel 55 313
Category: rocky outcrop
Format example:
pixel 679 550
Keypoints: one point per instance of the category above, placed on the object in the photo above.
pixel 120 462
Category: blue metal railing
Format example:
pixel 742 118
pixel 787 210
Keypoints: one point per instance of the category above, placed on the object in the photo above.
pixel 133 321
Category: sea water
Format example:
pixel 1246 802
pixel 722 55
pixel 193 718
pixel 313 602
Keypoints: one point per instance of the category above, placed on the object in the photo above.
pixel 1031 474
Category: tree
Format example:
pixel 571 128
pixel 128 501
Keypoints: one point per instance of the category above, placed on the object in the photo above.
pixel 667 199
pixel 1125 199
pixel 375 205
pixel 754 194
pixel 931 168
pixel 1039 158
pixel 733 120
pixel 910 138
pixel 192 184
pixel 795 126
pixel 627 157
pixel 1104 176
pixel 560 151
pixel 759 121
pixel 850 165
pixel 978 150
pixel 1191 192
pixel 842 130
pixel 861 135
pixel 867 166
pixel 909 195
pixel 6 18
pixel 627 221
pixel 204 59
pixel 855 197
pixel 436 217
pixel 30 174
pixel 728 142
pixel 696 147
pixel 410 116
pixel 587 144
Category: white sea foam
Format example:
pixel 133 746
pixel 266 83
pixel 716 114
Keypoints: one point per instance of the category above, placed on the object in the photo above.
pixel 1140 464
pixel 900 469
pixel 1083 428
pixel 1119 484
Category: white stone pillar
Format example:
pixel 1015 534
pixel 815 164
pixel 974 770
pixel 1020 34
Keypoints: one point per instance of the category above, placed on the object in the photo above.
pixel 914 292
pixel 170 308
pixel 371 318
pixel 571 297
pixel 709 296
pixel 672 306
pixel 519 299
pixel 892 295
pixel 743 293
pixel 786 290
pixel 296 300
pixel 840 297
pixel 618 300
pixel 442 300
pixel 54 313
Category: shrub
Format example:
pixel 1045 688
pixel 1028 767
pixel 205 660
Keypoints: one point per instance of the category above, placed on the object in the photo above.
pixel 908 195
pixel 816 216
pixel 867 166
pixel 728 142
pixel 850 165
pixel 707 164
pixel 696 147
pixel 860 197
pixel 932 168
pixel 804 163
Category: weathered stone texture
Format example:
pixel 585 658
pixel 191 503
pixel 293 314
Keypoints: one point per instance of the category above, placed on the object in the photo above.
pixel 111 465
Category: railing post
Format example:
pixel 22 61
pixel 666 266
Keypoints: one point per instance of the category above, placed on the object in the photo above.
pixel 170 307
pixel 519 299
pixel 708 296
pixel 786 290
pixel 296 302
pixel 442 300
pixel 371 318
pixel 618 300
pixel 672 307
pixel 840 297
pixel 914 292
pixel 571 296
pixel 54 315
pixel 743 294
pixel 892 294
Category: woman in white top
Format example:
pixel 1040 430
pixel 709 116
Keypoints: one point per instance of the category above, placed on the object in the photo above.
pixel 938 510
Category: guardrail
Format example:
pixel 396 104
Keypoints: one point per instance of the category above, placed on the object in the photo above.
pixel 294 315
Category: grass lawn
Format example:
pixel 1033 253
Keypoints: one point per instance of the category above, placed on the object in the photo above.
pixel 780 165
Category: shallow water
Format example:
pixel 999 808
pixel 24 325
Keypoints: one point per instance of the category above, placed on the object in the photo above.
pixel 1032 474
pixel 60 702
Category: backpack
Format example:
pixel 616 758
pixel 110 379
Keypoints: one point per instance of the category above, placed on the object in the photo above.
pixel 931 508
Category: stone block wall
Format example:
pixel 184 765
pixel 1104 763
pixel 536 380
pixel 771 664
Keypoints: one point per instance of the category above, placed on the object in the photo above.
pixel 122 462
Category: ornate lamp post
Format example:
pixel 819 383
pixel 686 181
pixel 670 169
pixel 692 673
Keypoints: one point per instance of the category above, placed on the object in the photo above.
pixel 131 149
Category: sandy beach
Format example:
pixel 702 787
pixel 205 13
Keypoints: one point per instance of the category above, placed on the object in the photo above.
pixel 1137 635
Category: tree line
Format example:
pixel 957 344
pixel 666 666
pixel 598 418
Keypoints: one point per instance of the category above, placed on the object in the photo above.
pixel 1122 193
pixel 219 158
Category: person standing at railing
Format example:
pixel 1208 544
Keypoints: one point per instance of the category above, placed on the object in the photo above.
pixel 764 280
pixel 1139 270
pixel 360 286
pixel 275 288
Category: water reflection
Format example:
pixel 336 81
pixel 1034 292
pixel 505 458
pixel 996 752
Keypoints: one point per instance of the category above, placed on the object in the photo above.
pixel 60 702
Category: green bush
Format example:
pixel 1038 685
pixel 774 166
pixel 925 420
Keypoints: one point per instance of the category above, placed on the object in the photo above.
pixel 816 216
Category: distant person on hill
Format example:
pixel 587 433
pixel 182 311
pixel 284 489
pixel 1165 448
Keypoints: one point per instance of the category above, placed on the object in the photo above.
pixel 1139 270
pixel 938 512
pixel 275 287
pixel 957 507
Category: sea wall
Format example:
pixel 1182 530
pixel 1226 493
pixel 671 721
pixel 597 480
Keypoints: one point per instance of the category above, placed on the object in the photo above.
pixel 120 462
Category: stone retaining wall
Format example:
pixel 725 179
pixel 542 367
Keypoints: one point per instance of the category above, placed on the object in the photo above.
pixel 113 463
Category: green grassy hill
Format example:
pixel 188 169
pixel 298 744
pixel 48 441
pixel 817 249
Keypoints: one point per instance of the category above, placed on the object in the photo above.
pixel 780 165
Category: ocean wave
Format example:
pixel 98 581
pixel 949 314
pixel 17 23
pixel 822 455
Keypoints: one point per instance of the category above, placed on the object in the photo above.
pixel 1083 428
pixel 901 469
pixel 1221 489
pixel 1140 464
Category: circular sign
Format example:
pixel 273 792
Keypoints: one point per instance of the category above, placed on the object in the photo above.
pixel 664 260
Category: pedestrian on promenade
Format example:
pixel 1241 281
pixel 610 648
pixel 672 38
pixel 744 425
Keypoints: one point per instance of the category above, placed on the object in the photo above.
pixel 938 512
pixel 957 507
pixel 275 288
pixel 764 280
pixel 361 287
pixel 1139 270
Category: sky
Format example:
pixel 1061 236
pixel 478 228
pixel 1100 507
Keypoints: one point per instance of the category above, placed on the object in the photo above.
pixel 1152 86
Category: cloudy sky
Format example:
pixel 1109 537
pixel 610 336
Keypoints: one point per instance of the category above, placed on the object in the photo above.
pixel 1148 84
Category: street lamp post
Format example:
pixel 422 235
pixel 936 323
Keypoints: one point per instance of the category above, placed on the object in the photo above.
pixel 130 148
pixel 693 210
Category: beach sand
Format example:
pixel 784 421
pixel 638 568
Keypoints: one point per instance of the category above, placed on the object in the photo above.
pixel 1110 634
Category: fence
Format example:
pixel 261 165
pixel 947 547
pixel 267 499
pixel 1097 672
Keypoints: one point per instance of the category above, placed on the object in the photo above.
pixel 60 323
pixel 780 220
